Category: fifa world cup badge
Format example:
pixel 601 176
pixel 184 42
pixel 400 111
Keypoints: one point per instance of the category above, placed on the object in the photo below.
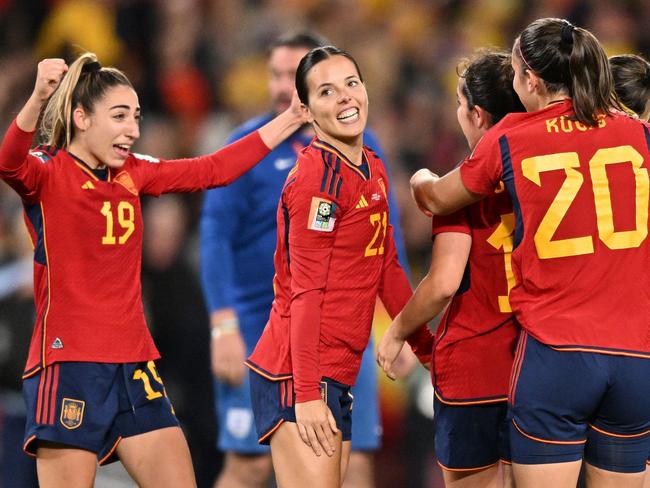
pixel 72 413
pixel 322 215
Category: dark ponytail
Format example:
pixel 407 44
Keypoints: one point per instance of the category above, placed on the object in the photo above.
pixel 632 82
pixel 488 84
pixel 569 59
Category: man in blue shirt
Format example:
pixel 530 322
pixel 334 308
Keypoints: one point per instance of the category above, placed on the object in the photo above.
pixel 238 238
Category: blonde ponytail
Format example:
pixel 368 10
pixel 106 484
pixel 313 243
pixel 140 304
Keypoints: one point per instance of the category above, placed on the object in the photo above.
pixel 84 83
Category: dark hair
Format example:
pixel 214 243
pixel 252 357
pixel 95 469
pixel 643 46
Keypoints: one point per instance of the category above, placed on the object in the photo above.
pixel 311 59
pixel 488 84
pixel 569 58
pixel 632 82
pixel 303 39
pixel 84 84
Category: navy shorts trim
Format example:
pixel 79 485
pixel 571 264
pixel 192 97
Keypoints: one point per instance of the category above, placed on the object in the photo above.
pixel 566 405
pixel 93 406
pixel 274 403
pixel 471 437
pixel 616 453
pixel 366 424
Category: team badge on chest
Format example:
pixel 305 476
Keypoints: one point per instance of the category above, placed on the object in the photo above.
pixel 72 413
pixel 382 186
pixel 125 180
pixel 322 215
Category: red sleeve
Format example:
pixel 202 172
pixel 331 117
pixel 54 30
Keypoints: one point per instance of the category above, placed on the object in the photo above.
pixel 308 275
pixel 217 169
pixel 20 170
pixel 312 230
pixel 456 222
pixel 395 291
pixel 483 169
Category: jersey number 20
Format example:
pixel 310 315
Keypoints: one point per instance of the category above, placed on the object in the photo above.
pixel 568 161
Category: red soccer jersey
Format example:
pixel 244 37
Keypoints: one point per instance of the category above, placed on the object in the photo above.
pixel 580 197
pixel 87 236
pixel 476 337
pixel 335 253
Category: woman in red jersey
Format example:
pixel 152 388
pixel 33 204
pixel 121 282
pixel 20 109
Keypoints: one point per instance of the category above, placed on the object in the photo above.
pixel 632 83
pixel 576 169
pixel 335 254
pixel 90 384
pixel 470 267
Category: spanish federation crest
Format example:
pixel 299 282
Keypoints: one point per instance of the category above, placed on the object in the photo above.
pixel 72 413
pixel 382 186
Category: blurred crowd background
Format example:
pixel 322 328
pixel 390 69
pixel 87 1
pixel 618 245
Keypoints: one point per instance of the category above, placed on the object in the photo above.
pixel 199 67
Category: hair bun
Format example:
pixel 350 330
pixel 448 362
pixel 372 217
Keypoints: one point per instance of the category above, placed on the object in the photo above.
pixel 566 33
pixel 92 67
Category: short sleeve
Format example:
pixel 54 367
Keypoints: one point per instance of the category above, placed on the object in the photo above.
pixel 456 222
pixel 483 169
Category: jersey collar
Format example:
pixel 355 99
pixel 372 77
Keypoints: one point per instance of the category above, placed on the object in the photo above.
pixel 96 174
pixel 362 170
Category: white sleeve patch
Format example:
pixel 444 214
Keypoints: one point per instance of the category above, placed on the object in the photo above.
pixel 146 157
pixel 44 158
pixel 322 215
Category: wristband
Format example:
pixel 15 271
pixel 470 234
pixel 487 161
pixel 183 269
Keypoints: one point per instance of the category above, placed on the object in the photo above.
pixel 226 326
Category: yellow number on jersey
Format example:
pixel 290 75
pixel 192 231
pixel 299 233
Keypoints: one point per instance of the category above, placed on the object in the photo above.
pixel 547 248
pixel 109 238
pixel 502 238
pixel 379 221
pixel 604 214
pixel 126 219
pixel 138 374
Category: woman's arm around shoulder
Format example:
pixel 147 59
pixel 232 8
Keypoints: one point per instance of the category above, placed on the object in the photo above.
pixel 225 165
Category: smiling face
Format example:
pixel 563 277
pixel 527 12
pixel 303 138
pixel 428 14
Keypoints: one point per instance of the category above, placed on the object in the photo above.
pixel 105 136
pixel 338 101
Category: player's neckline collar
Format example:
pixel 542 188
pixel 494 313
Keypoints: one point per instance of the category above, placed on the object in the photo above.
pixel 362 169
pixel 103 174
pixel 560 104
pixel 559 100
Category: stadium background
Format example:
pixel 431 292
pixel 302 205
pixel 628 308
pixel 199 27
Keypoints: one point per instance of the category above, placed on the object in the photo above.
pixel 199 67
